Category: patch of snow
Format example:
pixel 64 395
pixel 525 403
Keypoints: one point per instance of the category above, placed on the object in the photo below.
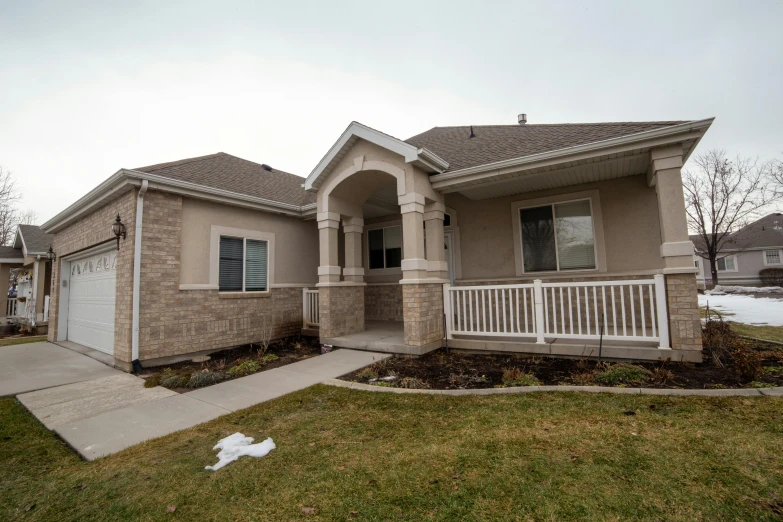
pixel 390 378
pixel 237 445
pixel 746 309
pixel 726 289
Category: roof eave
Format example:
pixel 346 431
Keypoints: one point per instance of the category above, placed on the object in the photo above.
pixel 693 130
pixel 421 157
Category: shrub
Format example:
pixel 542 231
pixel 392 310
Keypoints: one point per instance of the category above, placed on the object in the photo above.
pixel 622 373
pixel 170 379
pixel 268 358
pixel 205 378
pixel 516 377
pixel 242 369
pixel 151 382
pixel 661 375
pixel 413 383
pixel 583 378
pixel 718 341
pixel 367 374
pixel 771 276
pixel 746 362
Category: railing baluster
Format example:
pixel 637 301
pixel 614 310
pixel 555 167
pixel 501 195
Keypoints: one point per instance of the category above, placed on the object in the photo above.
pixel 505 322
pixel 516 300
pixel 614 312
pixel 470 309
pixel 595 310
pixel 570 312
pixel 562 314
pixel 524 301
pixel 622 309
pixel 641 305
pixel 578 311
pixel 652 311
pixel 497 312
pixel 633 311
pixel 554 311
pixel 462 324
pixel 545 326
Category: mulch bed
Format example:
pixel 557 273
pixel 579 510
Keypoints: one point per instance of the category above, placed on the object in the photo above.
pixel 447 371
pixel 287 351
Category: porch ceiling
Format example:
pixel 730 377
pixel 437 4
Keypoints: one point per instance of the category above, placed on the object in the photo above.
pixel 553 176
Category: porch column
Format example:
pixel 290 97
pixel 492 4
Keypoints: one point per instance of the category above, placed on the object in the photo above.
pixel 328 227
pixel 436 253
pixel 676 249
pixel 422 297
pixel 353 270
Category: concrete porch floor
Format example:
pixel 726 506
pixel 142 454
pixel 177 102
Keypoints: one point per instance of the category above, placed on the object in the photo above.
pixel 380 336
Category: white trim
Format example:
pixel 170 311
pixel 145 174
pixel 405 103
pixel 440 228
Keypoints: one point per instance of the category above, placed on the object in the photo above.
pixel 422 157
pixel 137 271
pixel 780 257
pixel 693 130
pixel 214 251
pixel 294 285
pixel 12 261
pixel 598 231
pixel 676 249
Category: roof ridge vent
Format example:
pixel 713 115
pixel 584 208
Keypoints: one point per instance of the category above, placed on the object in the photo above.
pixel 266 167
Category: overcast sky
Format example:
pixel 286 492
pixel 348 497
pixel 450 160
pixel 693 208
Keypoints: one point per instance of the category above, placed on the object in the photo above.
pixel 88 88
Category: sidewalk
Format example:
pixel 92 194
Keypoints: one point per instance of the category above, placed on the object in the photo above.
pixel 113 431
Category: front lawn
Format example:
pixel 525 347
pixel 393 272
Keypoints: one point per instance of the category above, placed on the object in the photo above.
pixel 22 340
pixel 768 333
pixel 351 455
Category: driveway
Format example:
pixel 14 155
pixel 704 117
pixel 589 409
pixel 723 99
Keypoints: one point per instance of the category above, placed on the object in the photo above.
pixel 36 366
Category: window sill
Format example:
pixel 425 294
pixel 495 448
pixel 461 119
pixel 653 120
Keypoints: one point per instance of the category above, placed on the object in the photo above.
pixel 244 295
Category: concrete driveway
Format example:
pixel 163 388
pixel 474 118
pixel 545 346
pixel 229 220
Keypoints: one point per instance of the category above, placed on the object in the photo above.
pixel 36 366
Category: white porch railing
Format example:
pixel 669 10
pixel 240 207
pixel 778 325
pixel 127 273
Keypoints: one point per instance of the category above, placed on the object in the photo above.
pixel 10 307
pixel 630 310
pixel 309 308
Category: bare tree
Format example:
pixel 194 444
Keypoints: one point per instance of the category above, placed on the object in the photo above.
pixel 723 195
pixel 9 196
pixel 27 217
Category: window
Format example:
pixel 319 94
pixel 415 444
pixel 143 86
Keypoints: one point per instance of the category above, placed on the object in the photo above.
pixel 726 264
pixel 558 237
pixel 772 257
pixel 243 265
pixel 446 220
pixel 385 247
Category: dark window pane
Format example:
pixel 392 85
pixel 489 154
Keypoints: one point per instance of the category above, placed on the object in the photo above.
pixel 393 258
pixel 538 239
pixel 375 240
pixel 255 266
pixel 230 264
pixel 392 241
pixel 446 220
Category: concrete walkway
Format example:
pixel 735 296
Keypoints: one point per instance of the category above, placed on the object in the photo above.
pixel 36 366
pixel 112 431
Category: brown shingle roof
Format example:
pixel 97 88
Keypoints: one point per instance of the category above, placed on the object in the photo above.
pixel 36 240
pixel 494 143
pixel 226 172
pixel 765 232
pixel 9 252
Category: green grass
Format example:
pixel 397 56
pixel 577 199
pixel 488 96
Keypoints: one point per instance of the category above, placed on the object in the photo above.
pixel 769 333
pixel 355 455
pixel 22 340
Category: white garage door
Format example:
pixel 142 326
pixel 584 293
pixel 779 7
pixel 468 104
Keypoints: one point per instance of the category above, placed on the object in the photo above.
pixel 91 301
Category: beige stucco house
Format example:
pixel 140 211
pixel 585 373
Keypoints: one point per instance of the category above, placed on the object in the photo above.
pixel 552 239
pixel 28 262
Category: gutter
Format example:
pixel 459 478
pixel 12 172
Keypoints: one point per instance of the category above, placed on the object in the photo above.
pixel 137 276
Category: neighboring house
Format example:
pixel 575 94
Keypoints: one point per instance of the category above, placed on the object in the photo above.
pixel 531 238
pixel 28 261
pixel 749 250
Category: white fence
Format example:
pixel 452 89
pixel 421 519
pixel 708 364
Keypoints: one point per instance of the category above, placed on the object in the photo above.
pixel 309 308
pixel 630 310
pixel 10 307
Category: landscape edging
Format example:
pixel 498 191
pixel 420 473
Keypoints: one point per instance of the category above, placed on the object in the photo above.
pixel 734 392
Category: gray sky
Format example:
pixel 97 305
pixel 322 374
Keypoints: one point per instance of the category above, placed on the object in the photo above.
pixel 89 88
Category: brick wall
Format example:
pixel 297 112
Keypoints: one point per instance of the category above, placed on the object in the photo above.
pixel 423 312
pixel 91 230
pixel 174 322
pixel 341 310
pixel 383 302
pixel 684 320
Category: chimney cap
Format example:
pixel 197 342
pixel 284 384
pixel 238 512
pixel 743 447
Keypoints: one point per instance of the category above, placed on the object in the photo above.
pixel 522 119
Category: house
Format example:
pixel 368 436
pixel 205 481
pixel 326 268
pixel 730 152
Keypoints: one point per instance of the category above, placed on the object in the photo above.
pixel 561 239
pixel 749 250
pixel 27 260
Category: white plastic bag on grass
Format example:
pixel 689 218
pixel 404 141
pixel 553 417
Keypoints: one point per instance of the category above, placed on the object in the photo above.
pixel 237 445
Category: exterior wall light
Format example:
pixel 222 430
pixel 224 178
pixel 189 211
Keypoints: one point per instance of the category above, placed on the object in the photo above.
pixel 50 255
pixel 118 227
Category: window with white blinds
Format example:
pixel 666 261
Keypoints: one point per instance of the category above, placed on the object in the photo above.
pixel 558 237
pixel 244 265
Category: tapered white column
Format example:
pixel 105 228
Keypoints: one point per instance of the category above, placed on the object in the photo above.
pixel 353 270
pixel 436 250
pixel 328 228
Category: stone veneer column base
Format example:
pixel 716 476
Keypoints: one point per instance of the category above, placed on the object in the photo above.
pixel 422 311
pixel 340 310
pixel 684 321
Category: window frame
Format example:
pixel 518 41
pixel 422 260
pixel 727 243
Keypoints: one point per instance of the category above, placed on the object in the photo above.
pixel 214 259
pixel 383 235
pixel 736 264
pixel 244 265
pixel 597 221
pixel 780 256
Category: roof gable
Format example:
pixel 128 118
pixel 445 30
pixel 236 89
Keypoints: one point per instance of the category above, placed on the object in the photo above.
pixel 33 240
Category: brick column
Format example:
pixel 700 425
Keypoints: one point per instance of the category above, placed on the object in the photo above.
pixel 684 321
pixel 341 310
pixel 422 310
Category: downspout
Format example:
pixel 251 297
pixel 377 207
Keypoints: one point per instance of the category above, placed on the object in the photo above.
pixel 137 277
pixel 35 293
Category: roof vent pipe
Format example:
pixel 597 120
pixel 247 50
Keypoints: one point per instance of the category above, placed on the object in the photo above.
pixel 522 119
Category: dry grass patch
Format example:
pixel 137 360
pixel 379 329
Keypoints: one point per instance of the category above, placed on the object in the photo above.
pixel 354 455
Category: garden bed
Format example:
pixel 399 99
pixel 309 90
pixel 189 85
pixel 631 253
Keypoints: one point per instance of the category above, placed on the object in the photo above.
pixel 449 371
pixel 230 364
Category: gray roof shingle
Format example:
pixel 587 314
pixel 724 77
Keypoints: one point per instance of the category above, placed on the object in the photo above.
pixel 36 240
pixel 493 143
pixel 226 172
pixel 764 232
pixel 9 252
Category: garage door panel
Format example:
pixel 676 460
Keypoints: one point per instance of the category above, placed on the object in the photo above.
pixel 93 284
